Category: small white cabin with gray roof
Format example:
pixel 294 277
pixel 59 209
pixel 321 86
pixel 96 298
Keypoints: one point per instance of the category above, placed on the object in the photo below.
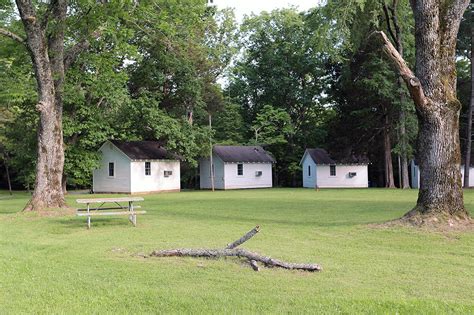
pixel 136 167
pixel 237 167
pixel 322 171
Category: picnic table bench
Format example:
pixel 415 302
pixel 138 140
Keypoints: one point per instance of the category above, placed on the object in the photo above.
pixel 121 203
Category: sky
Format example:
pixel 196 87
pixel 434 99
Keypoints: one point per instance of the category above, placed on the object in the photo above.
pixel 243 7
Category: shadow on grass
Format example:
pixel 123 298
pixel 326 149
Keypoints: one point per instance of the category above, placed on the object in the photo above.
pixel 95 222
pixel 199 216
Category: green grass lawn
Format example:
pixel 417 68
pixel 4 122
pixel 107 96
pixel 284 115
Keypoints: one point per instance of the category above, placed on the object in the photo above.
pixel 56 265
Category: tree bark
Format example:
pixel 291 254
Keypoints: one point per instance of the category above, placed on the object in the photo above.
pixel 244 238
pixel 5 161
pixel 467 159
pixel 433 90
pixel 48 191
pixel 387 152
pixel 236 252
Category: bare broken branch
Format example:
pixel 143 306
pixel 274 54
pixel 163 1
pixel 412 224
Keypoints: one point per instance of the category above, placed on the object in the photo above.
pixel 244 238
pixel 237 252
pixel 230 251
pixel 412 82
pixel 12 35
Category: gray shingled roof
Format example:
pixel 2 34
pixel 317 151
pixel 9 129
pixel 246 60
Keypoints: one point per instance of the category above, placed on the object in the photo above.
pixel 240 153
pixel 144 150
pixel 321 156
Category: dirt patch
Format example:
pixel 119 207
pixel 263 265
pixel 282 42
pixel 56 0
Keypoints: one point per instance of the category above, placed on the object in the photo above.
pixel 431 223
pixel 62 212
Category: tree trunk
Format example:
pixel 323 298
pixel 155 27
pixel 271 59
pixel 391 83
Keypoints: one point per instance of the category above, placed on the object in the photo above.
pixel 47 57
pixel 403 155
pixel 391 15
pixel 433 89
pixel 467 160
pixel 5 160
pixel 387 151
pixel 436 28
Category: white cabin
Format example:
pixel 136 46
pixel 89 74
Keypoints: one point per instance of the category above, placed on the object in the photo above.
pixel 321 171
pixel 415 175
pixel 237 167
pixel 136 167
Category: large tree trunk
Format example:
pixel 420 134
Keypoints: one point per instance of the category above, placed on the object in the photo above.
pixel 47 57
pixel 467 162
pixel 387 152
pixel 436 28
pixel 433 90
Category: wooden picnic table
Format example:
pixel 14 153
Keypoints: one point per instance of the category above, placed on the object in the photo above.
pixel 110 204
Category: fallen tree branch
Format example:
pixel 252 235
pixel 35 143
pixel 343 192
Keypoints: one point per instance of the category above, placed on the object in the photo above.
pixel 244 238
pixel 230 251
pixel 254 265
pixel 236 252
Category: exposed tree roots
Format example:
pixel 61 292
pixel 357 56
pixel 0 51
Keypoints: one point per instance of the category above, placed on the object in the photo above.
pixel 434 220
pixel 231 251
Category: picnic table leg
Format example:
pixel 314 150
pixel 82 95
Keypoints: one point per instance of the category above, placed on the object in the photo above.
pixel 88 217
pixel 133 216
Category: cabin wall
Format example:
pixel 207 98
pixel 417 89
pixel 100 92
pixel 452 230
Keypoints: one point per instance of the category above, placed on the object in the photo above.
pixel 342 179
pixel 205 173
pixel 309 180
pixel 248 179
pixel 101 181
pixel 156 181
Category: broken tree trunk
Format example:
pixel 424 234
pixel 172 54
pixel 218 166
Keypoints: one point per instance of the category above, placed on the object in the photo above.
pixel 231 251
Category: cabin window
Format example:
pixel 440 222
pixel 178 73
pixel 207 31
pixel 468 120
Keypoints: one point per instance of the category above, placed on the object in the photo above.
pixel 111 169
pixel 240 169
pixel 332 170
pixel 147 168
pixel 167 173
pixel 309 170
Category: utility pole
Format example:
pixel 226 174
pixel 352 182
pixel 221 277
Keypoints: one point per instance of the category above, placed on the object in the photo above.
pixel 211 165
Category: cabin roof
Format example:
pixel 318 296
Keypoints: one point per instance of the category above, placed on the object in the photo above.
pixel 321 156
pixel 241 153
pixel 144 150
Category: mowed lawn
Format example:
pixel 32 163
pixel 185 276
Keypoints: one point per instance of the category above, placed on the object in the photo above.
pixel 56 265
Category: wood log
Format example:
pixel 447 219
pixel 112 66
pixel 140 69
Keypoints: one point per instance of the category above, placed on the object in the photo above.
pixel 254 265
pixel 244 238
pixel 236 252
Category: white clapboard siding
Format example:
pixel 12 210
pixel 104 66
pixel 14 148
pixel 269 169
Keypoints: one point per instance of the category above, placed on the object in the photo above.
pixel 156 181
pixel 309 175
pixel 102 182
pixel 249 179
pixel 342 178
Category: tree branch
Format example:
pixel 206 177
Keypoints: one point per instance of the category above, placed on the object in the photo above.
pixel 412 82
pixel 244 238
pixel 388 19
pixel 12 35
pixel 71 55
pixel 236 252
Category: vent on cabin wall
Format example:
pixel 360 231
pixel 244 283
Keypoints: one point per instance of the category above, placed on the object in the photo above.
pixel 258 173
pixel 352 174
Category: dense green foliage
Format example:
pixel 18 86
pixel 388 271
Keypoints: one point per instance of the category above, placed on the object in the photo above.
pixel 55 265
pixel 284 79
